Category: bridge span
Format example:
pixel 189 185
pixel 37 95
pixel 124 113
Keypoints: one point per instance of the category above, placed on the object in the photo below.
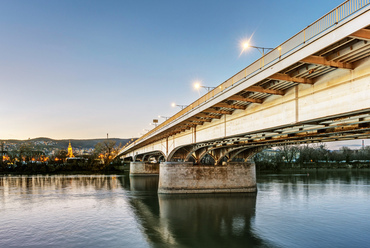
pixel 315 87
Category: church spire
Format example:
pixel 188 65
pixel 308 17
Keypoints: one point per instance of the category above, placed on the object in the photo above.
pixel 70 152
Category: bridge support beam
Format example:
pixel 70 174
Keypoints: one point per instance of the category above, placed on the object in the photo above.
pixel 186 178
pixel 144 169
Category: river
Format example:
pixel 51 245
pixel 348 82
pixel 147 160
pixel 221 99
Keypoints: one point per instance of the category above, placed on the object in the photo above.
pixel 319 209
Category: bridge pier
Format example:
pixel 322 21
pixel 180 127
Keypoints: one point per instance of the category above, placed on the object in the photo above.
pixel 186 178
pixel 144 169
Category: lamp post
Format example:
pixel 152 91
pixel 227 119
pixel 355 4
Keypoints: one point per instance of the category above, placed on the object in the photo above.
pixel 181 106
pixel 198 85
pixel 260 49
pixel 165 117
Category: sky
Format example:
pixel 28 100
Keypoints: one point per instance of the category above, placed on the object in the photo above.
pixel 82 69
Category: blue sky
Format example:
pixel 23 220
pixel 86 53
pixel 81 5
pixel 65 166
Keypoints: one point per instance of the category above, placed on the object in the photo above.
pixel 81 69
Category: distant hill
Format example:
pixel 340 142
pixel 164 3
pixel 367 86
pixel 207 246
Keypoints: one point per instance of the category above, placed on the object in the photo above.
pixel 76 143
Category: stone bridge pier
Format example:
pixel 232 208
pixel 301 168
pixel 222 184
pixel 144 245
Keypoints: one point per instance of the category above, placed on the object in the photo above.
pixel 233 171
pixel 144 169
pixel 184 177
pixel 200 169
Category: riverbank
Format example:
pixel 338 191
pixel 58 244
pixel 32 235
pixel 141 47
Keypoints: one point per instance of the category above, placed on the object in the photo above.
pixel 311 166
pixel 60 168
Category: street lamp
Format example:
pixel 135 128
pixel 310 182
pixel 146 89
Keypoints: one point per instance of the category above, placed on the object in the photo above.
pixel 198 85
pixel 260 49
pixel 165 117
pixel 181 106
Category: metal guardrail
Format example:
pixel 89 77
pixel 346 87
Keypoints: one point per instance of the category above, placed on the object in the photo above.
pixel 338 14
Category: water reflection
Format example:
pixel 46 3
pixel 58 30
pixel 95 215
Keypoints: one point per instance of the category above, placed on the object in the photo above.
pixel 145 183
pixel 210 220
pixel 322 208
pixel 318 209
pixel 66 211
pixel 319 177
pixel 301 184
pixel 37 183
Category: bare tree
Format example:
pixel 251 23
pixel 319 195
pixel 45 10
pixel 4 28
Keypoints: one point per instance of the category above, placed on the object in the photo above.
pixel 107 150
pixel 289 152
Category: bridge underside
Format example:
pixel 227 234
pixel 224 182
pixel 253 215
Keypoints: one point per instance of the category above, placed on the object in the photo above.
pixel 241 148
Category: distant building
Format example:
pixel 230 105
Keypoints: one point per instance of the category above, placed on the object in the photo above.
pixel 70 152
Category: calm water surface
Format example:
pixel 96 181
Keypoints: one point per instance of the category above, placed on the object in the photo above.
pixel 322 209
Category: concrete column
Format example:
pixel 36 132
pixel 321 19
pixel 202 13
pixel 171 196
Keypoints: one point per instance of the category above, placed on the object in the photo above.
pixel 184 177
pixel 143 169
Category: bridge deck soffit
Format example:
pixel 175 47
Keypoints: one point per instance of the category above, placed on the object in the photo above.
pixel 321 130
pixel 363 34
pixel 239 98
pixel 318 60
pixel 286 77
pixel 329 129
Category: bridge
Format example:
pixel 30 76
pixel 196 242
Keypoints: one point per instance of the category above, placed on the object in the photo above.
pixel 312 88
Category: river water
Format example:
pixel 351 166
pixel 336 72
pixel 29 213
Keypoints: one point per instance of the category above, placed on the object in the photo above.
pixel 322 209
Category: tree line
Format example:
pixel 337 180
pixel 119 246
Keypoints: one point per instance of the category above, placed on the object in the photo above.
pixel 311 155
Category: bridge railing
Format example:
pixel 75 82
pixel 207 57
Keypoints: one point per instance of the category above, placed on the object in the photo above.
pixel 332 18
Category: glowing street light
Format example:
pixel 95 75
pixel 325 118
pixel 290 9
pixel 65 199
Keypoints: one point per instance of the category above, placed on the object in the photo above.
pixel 246 45
pixel 181 106
pixel 198 85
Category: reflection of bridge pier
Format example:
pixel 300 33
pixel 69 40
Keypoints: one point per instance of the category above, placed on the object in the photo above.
pixel 210 220
pixel 143 184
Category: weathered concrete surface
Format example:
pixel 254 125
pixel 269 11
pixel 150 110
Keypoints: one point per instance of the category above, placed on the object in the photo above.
pixel 184 178
pixel 143 169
